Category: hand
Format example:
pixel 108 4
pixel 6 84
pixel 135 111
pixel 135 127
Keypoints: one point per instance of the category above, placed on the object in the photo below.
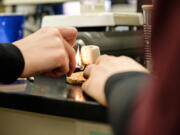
pixel 104 68
pixel 49 51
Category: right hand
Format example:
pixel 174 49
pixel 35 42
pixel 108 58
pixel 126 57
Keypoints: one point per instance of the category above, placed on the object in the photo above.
pixel 105 67
pixel 49 51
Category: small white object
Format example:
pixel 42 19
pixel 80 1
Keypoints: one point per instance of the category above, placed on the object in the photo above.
pixel 90 54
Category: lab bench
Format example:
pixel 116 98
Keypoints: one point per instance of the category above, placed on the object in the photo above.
pixel 51 106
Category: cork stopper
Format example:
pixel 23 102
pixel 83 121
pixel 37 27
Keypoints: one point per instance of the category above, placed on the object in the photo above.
pixel 147 6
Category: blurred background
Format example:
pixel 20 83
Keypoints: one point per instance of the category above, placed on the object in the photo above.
pixel 34 10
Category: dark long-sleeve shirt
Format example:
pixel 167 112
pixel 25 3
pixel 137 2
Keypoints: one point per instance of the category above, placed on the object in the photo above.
pixel 11 63
pixel 121 91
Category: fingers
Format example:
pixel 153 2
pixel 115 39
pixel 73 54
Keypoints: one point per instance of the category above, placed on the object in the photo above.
pixel 67 60
pixel 85 87
pixel 53 75
pixel 62 67
pixel 87 74
pixel 56 72
pixel 69 34
pixel 72 60
pixel 94 91
pixel 66 63
pixel 88 70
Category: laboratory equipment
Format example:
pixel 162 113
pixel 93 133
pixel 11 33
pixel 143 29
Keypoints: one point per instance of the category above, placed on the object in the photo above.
pixel 147 19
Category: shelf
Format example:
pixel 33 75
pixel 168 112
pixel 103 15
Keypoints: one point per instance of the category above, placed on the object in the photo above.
pixel 94 20
pixel 130 19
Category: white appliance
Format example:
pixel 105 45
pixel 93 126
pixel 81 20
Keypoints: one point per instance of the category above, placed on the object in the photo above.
pixel 94 20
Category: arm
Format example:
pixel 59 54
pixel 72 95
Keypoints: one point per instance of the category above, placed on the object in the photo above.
pixel 12 63
pixel 156 111
pixel 48 51
pixel 121 91
pixel 115 82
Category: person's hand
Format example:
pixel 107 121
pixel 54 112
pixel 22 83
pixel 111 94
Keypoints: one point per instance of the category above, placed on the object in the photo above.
pixel 49 51
pixel 105 67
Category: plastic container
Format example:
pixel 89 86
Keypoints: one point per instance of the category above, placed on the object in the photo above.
pixel 11 27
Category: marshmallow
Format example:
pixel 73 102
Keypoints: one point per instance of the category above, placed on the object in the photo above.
pixel 90 54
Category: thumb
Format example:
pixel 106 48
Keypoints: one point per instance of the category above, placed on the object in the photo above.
pixel 69 34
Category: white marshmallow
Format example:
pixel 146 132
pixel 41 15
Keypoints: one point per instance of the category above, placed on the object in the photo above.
pixel 89 54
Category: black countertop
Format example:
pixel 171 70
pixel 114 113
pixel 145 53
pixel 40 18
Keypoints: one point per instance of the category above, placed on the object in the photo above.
pixel 54 97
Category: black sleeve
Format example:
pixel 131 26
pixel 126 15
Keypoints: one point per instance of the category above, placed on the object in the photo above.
pixel 12 63
pixel 121 91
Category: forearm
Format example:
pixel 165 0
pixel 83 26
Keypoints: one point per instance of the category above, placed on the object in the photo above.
pixel 121 91
pixel 12 63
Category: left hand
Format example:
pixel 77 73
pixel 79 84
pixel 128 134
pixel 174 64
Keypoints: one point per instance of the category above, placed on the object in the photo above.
pixel 49 51
pixel 104 68
pixel 69 34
